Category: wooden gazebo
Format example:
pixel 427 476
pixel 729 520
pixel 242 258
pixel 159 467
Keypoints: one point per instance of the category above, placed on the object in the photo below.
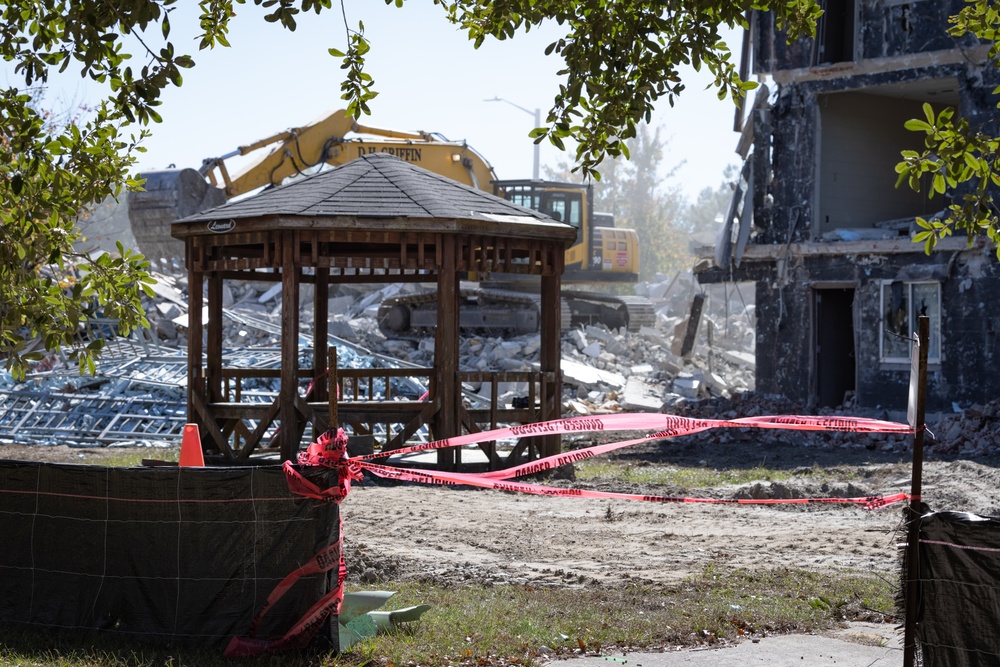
pixel 376 219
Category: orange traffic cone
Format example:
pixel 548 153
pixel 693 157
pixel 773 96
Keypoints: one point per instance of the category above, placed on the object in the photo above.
pixel 191 454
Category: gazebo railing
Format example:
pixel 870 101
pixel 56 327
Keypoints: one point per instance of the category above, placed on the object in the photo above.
pixel 384 403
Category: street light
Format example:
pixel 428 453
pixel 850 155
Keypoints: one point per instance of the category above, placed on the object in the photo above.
pixel 538 123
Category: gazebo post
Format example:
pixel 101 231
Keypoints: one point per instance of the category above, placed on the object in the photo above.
pixel 213 356
pixel 196 381
pixel 288 414
pixel 550 353
pixel 445 422
pixel 321 313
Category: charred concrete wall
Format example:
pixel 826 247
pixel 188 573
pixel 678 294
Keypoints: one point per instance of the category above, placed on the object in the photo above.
pixel 788 325
pixel 838 283
pixel 790 136
pixel 854 30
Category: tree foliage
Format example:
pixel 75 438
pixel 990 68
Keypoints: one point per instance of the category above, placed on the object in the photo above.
pixel 644 197
pixel 50 170
pixel 958 158
pixel 622 57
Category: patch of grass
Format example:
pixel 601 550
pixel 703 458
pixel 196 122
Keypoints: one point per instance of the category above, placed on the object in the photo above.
pixel 124 457
pixel 683 477
pixel 686 477
pixel 133 458
pixel 503 625
pixel 20 648
pixel 477 625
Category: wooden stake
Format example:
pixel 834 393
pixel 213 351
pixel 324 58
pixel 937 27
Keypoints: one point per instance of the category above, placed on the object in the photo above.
pixel 914 510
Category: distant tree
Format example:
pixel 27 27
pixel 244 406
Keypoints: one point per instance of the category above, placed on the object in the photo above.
pixel 705 213
pixel 642 197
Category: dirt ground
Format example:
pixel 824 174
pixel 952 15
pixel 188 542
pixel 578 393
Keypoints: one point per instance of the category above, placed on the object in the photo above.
pixel 397 531
pixel 448 534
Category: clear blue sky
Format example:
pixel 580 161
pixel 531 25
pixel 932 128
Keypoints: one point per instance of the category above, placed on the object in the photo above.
pixel 429 78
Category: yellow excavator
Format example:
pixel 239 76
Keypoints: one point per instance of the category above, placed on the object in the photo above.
pixel 602 254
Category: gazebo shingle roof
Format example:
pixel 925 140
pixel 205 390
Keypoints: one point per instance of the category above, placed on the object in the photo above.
pixel 382 186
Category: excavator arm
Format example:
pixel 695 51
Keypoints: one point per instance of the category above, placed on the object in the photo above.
pixel 298 150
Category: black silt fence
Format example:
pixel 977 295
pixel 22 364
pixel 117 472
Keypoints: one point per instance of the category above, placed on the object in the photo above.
pixel 186 556
pixel 959 599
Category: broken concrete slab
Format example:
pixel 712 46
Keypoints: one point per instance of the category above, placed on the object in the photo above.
pixel 687 385
pixel 270 295
pixel 581 374
pixel 641 396
pixel 743 359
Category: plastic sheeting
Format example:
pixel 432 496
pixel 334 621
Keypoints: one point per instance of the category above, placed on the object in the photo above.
pixel 182 555
pixel 959 610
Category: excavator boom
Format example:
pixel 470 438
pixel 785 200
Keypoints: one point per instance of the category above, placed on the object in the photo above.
pixel 299 150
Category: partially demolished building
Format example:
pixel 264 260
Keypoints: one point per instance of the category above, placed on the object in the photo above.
pixel 819 226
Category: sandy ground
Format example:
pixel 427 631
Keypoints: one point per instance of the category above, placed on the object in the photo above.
pixel 407 531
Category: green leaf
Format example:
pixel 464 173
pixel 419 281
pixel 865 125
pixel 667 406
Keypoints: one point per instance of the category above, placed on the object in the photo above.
pixel 938 183
pixel 928 113
pixel 917 125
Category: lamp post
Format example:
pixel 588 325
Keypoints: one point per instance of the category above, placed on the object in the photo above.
pixel 538 122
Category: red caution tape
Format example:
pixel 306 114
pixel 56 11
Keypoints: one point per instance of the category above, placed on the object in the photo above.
pixel 331 451
pixel 302 633
pixel 480 480
pixel 664 426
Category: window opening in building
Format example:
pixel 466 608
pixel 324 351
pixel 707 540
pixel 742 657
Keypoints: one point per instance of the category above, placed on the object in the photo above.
pixel 901 304
pixel 835 32
pixel 860 139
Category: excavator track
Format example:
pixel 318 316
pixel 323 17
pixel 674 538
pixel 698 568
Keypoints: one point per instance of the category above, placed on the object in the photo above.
pixel 480 312
pixel 492 311
pixel 524 298
pixel 508 312
pixel 616 312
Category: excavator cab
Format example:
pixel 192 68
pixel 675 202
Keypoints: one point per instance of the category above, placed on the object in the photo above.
pixel 562 204
pixel 601 254
pixel 565 202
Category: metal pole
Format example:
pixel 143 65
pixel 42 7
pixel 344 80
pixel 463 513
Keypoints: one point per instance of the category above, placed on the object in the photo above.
pixel 537 113
pixel 534 166
pixel 914 510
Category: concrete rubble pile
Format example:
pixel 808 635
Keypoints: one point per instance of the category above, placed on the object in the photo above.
pixel 139 394
pixel 970 432
pixel 604 371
